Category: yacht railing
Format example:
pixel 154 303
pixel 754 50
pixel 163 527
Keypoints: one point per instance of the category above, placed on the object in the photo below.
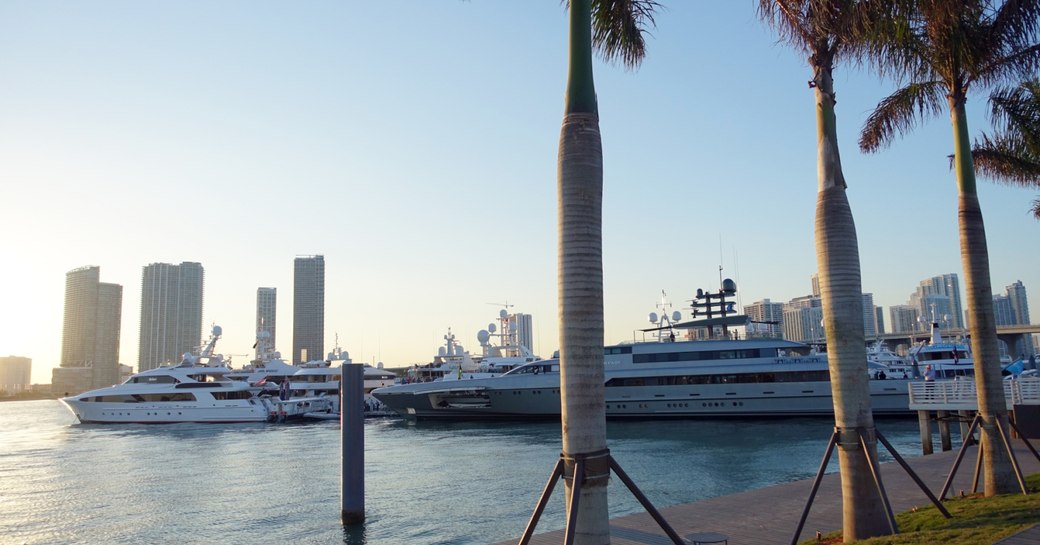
pixel 960 394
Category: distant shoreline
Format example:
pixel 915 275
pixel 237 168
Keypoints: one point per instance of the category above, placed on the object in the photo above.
pixel 31 396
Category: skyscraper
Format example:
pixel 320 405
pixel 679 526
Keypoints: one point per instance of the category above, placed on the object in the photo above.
pixel 90 330
pixel 767 318
pixel 308 308
pixel 15 374
pixel 941 294
pixel 904 319
pixel 1016 294
pixel 266 313
pixel 870 326
pixel 524 330
pixel 171 313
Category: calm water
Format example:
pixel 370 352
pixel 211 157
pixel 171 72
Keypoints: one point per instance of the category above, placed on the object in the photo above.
pixel 458 484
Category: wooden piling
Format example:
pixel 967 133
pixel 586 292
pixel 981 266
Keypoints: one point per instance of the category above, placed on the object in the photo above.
pixel 352 443
pixel 923 420
pixel 943 419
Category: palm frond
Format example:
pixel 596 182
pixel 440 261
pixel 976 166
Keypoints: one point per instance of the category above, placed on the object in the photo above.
pixel 1015 111
pixel 1006 161
pixel 619 28
pixel 788 18
pixel 1036 209
pixel 899 113
pixel 1015 20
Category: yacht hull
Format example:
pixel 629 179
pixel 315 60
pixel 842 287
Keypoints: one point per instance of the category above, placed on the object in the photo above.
pixel 92 412
pixel 439 402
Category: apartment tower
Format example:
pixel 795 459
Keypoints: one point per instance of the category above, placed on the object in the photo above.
pixel 308 309
pixel 266 312
pixel 90 330
pixel 171 313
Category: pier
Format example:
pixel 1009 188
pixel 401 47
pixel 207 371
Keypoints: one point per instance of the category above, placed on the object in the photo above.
pixel 769 516
pixel 956 401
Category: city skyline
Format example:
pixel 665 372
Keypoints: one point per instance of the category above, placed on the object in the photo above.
pixel 425 170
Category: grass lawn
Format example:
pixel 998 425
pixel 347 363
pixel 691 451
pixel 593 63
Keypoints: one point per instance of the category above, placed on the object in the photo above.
pixel 977 520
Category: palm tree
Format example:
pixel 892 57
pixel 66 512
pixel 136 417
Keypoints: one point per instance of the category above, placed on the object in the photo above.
pixel 826 31
pixel 1012 155
pixel 944 49
pixel 619 27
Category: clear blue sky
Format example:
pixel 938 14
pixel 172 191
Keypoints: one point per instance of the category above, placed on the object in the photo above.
pixel 413 144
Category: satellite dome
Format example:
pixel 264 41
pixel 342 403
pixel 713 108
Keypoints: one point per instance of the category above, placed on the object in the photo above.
pixel 441 352
pixel 653 317
pixel 491 327
pixel 729 286
pixel 676 316
pixel 502 313
pixel 217 331
pixel 483 336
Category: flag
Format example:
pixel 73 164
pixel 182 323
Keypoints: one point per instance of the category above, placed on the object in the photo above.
pixel 260 382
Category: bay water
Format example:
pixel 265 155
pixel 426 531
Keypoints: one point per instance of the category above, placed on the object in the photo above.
pixel 462 483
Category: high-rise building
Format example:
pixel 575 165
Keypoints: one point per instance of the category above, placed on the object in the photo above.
pixel 802 321
pixel 879 319
pixel 266 313
pixel 524 331
pixel 171 313
pixel 904 319
pixel 1002 313
pixel 15 374
pixel 1016 294
pixel 870 326
pixel 939 298
pixel 90 330
pixel 308 308
pixel 767 318
pixel 815 280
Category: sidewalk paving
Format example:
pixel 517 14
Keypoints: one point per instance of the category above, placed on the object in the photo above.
pixel 770 515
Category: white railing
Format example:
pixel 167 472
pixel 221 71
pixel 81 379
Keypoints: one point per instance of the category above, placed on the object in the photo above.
pixel 959 395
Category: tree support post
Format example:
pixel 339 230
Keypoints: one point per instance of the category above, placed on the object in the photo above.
pixel 586 466
pixel 978 460
pixel 875 473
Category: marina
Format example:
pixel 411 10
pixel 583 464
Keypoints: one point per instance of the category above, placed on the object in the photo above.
pixel 700 368
pixel 458 483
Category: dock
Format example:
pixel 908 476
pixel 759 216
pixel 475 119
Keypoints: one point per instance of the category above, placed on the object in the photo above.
pixel 769 516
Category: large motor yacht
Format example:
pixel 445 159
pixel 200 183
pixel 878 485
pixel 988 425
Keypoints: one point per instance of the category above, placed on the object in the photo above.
pixel 196 390
pixel 722 376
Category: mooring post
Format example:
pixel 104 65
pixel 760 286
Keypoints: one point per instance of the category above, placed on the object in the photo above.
pixel 943 418
pixel 352 443
pixel 926 432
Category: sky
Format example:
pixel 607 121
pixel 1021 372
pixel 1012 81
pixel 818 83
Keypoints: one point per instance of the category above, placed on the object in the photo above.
pixel 413 143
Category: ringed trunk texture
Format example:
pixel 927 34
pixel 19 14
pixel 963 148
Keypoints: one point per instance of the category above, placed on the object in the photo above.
pixel 580 284
pixel 837 257
pixel 997 470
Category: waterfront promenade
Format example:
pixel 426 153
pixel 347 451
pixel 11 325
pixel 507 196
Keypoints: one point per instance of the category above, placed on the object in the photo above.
pixel 770 515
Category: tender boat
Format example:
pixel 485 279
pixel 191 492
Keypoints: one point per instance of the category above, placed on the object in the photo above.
pixel 723 376
pixel 196 390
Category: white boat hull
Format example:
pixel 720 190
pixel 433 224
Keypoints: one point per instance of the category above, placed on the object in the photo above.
pixel 234 411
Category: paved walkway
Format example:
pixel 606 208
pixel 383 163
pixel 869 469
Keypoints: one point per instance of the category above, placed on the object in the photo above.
pixel 1025 537
pixel 769 516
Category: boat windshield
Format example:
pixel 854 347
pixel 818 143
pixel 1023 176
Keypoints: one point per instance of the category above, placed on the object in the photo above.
pixel 549 366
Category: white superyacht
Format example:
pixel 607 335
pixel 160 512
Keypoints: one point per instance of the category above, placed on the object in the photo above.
pixel 723 376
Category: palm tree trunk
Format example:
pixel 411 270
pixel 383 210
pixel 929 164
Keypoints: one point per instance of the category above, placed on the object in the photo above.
pixel 580 282
pixel 999 475
pixel 837 255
